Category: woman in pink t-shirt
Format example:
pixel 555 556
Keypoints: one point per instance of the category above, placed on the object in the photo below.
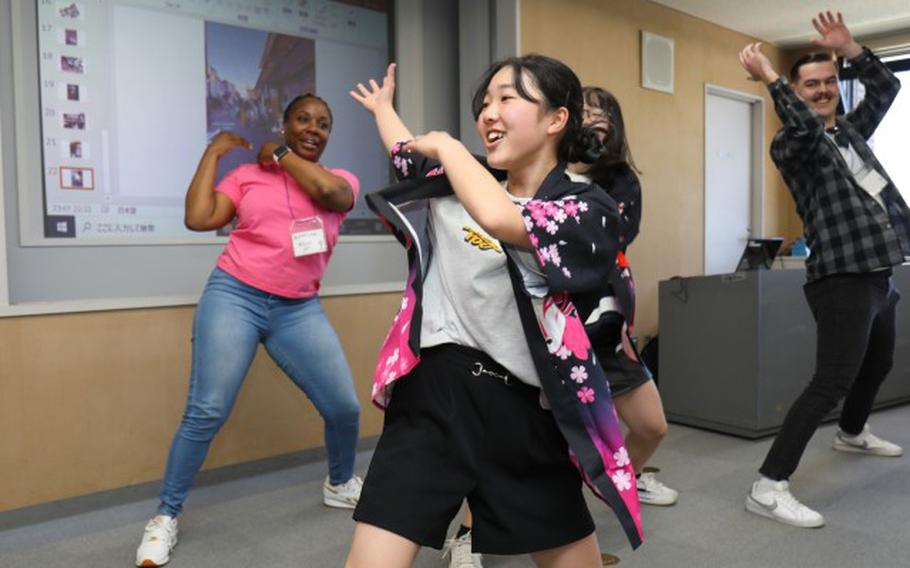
pixel 264 289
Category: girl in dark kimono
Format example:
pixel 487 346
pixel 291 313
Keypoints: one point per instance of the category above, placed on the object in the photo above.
pixel 498 397
pixel 634 393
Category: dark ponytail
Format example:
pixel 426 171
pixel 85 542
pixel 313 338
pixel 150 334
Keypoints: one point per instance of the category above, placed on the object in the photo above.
pixel 559 87
pixel 587 148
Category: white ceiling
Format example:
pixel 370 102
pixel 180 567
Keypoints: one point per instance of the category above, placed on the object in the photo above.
pixel 788 23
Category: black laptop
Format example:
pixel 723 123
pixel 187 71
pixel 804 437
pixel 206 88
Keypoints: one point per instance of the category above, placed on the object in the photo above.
pixel 759 254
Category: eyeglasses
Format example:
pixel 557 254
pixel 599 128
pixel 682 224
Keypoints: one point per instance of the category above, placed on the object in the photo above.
pixel 593 113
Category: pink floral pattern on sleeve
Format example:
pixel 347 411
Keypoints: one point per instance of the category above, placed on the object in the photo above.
pixel 549 216
pixel 406 167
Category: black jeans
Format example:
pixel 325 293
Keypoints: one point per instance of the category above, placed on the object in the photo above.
pixel 854 314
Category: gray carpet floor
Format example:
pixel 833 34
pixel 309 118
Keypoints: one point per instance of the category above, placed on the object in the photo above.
pixel 275 518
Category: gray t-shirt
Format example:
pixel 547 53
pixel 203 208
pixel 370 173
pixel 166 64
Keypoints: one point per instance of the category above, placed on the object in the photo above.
pixel 467 293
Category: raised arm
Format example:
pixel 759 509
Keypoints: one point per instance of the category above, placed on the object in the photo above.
pixel 834 35
pixel 379 101
pixel 330 191
pixel 881 87
pixel 803 127
pixel 757 64
pixel 479 192
pixel 880 83
pixel 204 208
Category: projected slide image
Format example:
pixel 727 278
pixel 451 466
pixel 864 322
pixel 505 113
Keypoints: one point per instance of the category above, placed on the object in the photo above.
pixel 77 178
pixel 70 10
pixel 74 120
pixel 69 64
pixel 250 76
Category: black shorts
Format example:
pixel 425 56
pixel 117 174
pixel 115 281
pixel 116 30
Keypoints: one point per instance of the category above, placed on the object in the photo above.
pixel 623 374
pixel 452 432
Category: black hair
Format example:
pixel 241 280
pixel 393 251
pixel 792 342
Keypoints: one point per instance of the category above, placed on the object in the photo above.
pixel 815 57
pixel 298 98
pixel 616 144
pixel 559 87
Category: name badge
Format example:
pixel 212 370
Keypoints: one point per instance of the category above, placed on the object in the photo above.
pixel 872 182
pixel 308 236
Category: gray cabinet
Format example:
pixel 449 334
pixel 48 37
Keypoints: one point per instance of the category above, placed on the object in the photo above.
pixel 737 349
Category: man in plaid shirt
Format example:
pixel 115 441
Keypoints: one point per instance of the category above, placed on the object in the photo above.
pixel 857 227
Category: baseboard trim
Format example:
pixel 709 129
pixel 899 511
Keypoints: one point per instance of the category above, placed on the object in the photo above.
pixel 52 510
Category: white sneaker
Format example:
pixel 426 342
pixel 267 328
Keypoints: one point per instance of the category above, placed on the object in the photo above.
pixel 158 541
pixel 344 496
pixel 459 550
pixel 653 492
pixel 773 499
pixel 866 443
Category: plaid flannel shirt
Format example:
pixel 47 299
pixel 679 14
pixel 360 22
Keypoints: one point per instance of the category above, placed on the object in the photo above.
pixel 846 229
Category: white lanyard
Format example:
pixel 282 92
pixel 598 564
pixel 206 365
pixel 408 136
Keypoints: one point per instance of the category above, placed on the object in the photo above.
pixel 308 233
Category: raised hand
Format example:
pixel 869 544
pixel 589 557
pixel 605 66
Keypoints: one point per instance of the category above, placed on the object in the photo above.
pixel 375 96
pixel 834 34
pixel 757 64
pixel 378 100
pixel 429 144
pixel 225 141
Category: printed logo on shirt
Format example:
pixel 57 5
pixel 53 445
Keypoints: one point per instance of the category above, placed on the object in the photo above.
pixel 479 240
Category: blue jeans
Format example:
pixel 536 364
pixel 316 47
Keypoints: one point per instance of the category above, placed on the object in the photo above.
pixel 231 320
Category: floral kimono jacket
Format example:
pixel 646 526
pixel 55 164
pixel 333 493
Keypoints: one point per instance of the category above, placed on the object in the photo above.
pixel 572 228
pixel 623 186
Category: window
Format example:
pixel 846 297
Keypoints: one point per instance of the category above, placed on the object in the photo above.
pixel 891 140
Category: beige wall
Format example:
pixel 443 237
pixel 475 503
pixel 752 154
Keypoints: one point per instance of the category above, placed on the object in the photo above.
pixel 600 39
pixel 89 402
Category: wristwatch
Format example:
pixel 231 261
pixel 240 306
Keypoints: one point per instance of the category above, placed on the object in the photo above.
pixel 280 152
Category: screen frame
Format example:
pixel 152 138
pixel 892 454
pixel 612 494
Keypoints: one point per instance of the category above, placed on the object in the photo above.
pixel 29 150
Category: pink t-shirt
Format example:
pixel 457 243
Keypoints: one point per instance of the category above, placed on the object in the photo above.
pixel 259 251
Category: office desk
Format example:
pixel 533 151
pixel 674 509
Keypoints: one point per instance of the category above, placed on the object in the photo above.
pixel 737 349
